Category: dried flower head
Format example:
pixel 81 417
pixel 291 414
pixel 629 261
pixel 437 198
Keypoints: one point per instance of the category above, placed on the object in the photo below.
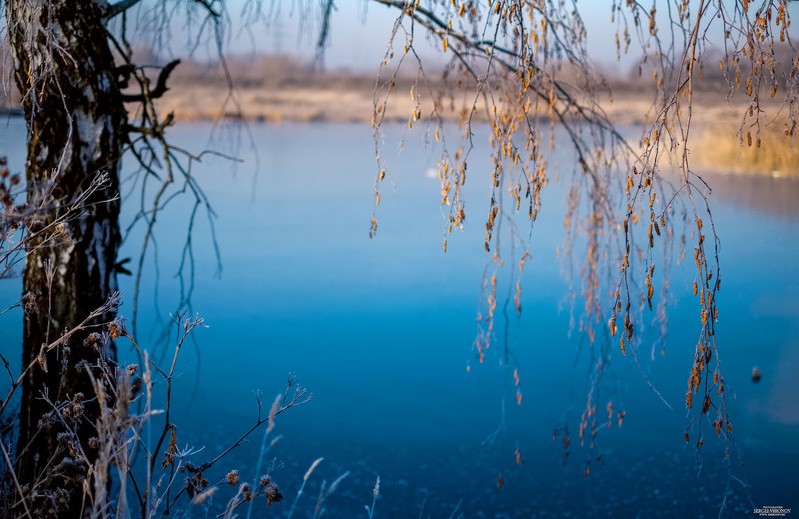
pixel 47 420
pixel 115 329
pixel 246 492
pixel 93 340
pixel 271 491
pixel 28 302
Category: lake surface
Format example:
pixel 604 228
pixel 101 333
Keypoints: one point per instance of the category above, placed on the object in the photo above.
pixel 381 332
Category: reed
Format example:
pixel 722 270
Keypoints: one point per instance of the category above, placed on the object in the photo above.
pixel 769 152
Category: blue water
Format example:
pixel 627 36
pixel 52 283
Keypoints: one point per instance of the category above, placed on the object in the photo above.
pixel 380 331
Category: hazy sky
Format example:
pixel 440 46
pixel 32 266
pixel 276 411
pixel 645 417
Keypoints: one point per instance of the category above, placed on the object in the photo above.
pixel 360 30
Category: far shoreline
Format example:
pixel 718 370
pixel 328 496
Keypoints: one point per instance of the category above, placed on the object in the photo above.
pixel 716 145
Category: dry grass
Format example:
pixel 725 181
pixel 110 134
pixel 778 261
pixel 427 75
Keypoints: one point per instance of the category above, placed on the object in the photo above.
pixel 277 90
pixel 128 462
pixel 118 471
pixel 274 89
pixel 720 149
pixel 304 104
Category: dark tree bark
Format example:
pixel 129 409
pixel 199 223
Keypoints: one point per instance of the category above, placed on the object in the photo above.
pixel 75 115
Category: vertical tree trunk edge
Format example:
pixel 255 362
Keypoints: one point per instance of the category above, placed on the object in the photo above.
pixel 75 118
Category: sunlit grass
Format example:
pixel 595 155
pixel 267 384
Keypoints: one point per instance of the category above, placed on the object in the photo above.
pixel 772 152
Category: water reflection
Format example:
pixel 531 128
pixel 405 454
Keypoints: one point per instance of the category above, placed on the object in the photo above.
pixel 380 330
pixel 765 193
pixel 781 404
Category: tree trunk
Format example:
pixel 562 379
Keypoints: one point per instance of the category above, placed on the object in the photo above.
pixel 66 72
